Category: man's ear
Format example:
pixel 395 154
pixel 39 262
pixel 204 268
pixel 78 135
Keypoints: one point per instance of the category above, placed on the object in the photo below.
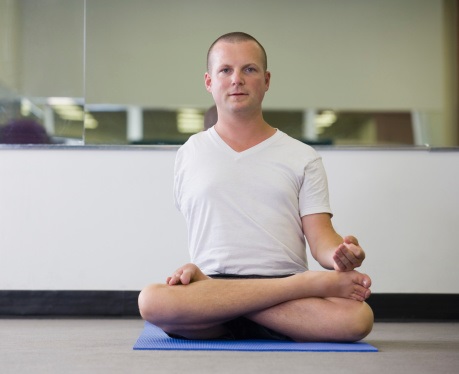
pixel 267 79
pixel 208 82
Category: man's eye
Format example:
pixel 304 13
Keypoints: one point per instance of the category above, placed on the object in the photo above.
pixel 250 69
pixel 226 70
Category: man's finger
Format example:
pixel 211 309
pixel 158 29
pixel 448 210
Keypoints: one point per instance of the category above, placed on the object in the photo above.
pixel 339 264
pixel 351 240
pixel 356 251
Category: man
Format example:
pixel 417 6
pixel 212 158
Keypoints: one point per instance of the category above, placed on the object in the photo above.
pixel 250 195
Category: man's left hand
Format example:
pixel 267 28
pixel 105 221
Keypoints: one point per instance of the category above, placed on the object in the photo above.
pixel 349 255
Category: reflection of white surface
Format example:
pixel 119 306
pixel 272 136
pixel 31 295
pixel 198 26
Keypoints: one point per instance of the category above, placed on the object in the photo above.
pixel 309 128
pixel 420 128
pixel 48 119
pixel 66 141
pixel 134 123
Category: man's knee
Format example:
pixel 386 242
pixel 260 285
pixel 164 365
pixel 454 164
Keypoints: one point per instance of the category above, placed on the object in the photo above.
pixel 352 323
pixel 362 322
pixel 149 300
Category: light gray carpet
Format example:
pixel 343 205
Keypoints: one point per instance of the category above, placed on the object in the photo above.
pixel 105 346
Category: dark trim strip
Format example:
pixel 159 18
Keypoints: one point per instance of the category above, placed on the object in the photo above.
pixel 386 307
pixel 69 303
pixel 415 307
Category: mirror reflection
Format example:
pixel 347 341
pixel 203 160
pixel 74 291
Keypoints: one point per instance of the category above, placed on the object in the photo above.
pixel 129 73
pixel 343 73
pixel 41 75
pixel 138 126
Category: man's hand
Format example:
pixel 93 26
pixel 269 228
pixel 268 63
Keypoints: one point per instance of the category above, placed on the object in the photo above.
pixel 349 255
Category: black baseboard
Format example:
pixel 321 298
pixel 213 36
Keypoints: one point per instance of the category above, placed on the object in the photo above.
pixel 69 303
pixel 386 306
pixel 415 307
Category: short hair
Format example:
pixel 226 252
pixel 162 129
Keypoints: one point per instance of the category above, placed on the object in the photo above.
pixel 236 37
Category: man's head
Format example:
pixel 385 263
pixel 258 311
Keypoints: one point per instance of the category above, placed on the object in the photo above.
pixel 237 77
pixel 236 37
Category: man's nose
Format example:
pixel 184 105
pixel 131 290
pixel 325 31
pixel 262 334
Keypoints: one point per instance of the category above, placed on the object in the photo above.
pixel 238 78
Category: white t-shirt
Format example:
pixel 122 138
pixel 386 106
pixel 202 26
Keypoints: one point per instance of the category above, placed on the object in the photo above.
pixel 244 209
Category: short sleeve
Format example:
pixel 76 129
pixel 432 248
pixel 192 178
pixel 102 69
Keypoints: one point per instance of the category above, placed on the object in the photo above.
pixel 314 196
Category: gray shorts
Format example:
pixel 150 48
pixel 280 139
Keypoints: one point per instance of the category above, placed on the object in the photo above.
pixel 242 328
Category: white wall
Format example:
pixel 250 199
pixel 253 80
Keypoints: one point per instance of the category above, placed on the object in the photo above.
pixel 89 219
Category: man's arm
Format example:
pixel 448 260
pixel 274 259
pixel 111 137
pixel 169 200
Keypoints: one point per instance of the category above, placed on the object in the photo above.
pixel 327 247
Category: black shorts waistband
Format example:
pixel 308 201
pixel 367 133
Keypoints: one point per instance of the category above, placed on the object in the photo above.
pixel 250 276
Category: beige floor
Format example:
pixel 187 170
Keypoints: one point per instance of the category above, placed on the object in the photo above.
pixel 105 346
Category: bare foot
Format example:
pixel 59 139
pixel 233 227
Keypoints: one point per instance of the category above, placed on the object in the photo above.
pixel 345 284
pixel 186 274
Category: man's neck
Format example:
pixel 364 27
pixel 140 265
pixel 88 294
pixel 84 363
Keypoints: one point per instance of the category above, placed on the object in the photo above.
pixel 242 133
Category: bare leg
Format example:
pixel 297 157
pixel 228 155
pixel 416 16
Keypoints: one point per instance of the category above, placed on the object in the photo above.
pixel 317 319
pixel 195 306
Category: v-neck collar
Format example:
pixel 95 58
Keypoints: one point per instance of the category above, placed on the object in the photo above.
pixel 237 155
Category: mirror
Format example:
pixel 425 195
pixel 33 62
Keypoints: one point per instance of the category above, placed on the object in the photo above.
pixel 42 74
pixel 343 73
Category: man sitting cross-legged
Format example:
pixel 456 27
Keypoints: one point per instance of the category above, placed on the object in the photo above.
pixel 252 196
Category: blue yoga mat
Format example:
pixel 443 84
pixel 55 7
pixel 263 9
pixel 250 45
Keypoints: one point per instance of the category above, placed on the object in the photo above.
pixel 153 338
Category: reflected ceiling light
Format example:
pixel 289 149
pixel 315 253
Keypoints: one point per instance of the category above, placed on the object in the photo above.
pixel 61 101
pixel 325 119
pixel 90 122
pixel 190 120
pixel 68 109
pixel 28 108
pixel 69 112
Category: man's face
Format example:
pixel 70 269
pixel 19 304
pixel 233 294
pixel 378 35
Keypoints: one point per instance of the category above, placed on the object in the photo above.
pixel 237 80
